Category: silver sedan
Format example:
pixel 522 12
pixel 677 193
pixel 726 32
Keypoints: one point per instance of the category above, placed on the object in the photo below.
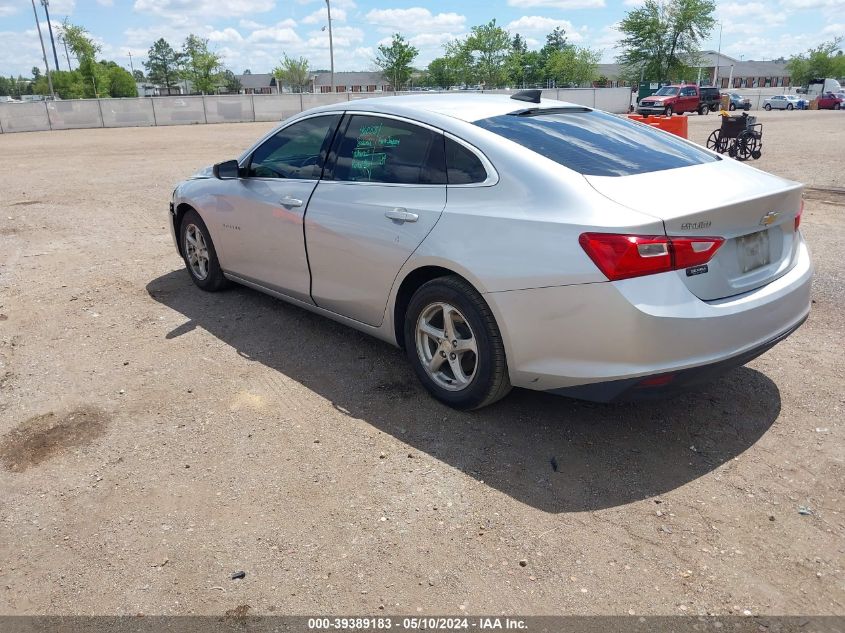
pixel 781 102
pixel 505 241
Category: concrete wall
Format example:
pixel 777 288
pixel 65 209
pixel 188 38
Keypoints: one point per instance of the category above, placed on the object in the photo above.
pixel 186 110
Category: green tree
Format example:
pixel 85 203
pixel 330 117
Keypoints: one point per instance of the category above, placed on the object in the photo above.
pixel 524 67
pixel 36 73
pixel 439 74
pixel 138 75
pixel 460 62
pixel 395 61
pixel 293 73
pixel 825 60
pixel 85 49
pixel 162 64
pixel 555 41
pixel 67 84
pixel 232 83
pixel 661 38
pixel 490 45
pixel 120 81
pixel 573 66
pixel 201 65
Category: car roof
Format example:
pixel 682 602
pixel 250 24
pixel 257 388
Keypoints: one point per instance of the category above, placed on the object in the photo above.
pixel 466 107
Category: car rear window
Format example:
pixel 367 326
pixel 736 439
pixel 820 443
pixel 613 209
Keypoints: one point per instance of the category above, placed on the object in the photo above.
pixel 596 143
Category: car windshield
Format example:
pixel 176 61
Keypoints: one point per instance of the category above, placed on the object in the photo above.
pixel 596 143
pixel 666 91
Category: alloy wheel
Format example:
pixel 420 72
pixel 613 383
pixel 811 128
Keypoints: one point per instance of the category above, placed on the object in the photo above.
pixel 446 346
pixel 196 251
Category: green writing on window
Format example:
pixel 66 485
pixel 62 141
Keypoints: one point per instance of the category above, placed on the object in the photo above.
pixel 371 151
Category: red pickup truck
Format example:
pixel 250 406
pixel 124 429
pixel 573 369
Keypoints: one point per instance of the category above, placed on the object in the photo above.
pixel 671 100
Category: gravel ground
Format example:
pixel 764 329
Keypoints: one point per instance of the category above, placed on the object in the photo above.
pixel 154 439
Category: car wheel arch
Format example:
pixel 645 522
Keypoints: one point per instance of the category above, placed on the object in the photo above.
pixel 181 209
pixel 411 282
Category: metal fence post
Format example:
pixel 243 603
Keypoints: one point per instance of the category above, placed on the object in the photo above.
pixel 1 120
pixel 153 104
pixel 252 101
pixel 47 112
pixel 301 104
pixel 100 108
pixel 204 115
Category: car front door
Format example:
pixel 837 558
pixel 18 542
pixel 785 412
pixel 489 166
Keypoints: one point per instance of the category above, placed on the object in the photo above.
pixel 382 192
pixel 688 99
pixel 263 232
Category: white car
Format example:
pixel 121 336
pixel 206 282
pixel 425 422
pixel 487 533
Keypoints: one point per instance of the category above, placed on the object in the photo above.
pixel 508 241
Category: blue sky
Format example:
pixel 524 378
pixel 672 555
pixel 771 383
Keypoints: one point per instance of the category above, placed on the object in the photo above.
pixel 254 33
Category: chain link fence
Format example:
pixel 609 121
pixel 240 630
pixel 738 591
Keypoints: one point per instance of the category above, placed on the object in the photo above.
pixel 191 110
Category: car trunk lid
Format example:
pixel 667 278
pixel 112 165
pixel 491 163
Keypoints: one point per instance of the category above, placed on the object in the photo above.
pixel 753 211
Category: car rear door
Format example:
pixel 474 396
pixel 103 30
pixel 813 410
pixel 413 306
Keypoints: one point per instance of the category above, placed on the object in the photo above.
pixel 382 192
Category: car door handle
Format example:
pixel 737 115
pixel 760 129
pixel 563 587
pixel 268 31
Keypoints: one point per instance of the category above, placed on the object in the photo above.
pixel 401 215
pixel 288 201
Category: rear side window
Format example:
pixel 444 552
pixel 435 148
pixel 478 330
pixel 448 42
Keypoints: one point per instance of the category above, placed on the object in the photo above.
pixel 462 165
pixel 376 149
pixel 597 144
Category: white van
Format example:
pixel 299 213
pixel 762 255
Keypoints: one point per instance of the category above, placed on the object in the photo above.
pixel 819 87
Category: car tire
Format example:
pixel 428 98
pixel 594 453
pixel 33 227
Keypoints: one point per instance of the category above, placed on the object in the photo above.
pixel 837 106
pixel 768 106
pixel 667 111
pixel 480 351
pixel 703 110
pixel 732 107
pixel 748 108
pixel 789 106
pixel 199 253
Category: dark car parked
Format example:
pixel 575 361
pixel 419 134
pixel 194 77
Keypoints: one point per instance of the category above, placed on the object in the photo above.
pixel 710 98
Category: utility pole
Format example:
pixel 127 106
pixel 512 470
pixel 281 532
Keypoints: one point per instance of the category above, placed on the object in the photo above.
pixel 67 55
pixel 718 56
pixel 46 5
pixel 331 42
pixel 43 50
pixel 131 65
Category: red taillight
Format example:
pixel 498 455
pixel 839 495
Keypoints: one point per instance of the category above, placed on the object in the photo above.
pixel 626 256
pixel 798 217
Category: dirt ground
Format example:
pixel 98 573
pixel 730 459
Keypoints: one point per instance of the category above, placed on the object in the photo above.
pixel 155 439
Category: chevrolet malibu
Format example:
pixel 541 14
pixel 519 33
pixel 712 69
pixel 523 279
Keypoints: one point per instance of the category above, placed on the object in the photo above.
pixel 508 241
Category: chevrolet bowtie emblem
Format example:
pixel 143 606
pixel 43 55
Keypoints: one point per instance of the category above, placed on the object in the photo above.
pixel 769 218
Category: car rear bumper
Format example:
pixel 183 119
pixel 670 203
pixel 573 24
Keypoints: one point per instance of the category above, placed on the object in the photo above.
pixel 606 337
pixel 668 384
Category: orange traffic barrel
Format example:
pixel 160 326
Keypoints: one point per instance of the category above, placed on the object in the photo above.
pixel 677 125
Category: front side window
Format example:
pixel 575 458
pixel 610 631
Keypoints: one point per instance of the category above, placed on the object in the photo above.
pixel 377 149
pixel 594 143
pixel 296 152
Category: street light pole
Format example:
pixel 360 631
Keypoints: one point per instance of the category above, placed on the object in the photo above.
pixel 331 41
pixel 46 5
pixel 718 56
pixel 43 50
pixel 131 65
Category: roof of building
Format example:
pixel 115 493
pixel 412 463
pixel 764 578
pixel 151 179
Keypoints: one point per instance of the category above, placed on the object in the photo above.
pixel 256 80
pixel 709 59
pixel 375 78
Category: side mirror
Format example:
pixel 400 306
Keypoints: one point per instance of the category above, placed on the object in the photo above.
pixel 226 169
